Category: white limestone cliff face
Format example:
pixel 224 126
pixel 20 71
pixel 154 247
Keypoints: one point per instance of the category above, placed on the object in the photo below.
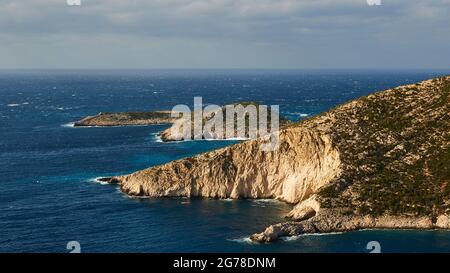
pixel 443 221
pixel 305 161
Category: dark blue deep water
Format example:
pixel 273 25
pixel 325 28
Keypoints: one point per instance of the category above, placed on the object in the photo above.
pixel 48 195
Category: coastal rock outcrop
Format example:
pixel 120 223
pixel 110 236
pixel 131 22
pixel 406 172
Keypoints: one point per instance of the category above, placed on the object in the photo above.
pixel 331 221
pixel 443 221
pixel 241 110
pixel 305 209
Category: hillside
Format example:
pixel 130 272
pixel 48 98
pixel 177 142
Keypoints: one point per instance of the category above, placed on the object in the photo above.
pixel 380 161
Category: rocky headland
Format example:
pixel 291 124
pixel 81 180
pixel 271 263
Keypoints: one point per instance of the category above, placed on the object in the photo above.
pixel 175 132
pixel 380 161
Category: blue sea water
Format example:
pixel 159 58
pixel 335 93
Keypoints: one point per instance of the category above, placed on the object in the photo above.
pixel 48 193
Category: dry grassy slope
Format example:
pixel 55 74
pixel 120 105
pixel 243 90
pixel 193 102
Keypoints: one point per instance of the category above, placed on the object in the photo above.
pixel 395 161
pixel 394 148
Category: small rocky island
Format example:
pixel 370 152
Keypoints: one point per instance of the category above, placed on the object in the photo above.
pixel 127 119
pixel 380 161
pixel 174 132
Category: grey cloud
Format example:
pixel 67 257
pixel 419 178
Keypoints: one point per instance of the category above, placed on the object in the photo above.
pixel 280 33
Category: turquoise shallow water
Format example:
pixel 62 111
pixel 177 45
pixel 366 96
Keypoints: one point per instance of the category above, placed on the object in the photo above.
pixel 48 195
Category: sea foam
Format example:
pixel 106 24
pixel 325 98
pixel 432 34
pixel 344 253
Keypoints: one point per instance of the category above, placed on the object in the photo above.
pixel 69 125
pixel 243 240
pixel 296 237
pixel 97 180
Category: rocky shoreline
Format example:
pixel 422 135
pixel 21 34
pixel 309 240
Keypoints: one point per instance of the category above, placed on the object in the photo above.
pixel 310 221
pixel 332 223
pixel 380 161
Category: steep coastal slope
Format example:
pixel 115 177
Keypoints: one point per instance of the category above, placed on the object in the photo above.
pixel 381 161
pixel 304 162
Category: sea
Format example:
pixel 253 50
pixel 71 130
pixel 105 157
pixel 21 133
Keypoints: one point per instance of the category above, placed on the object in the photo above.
pixel 49 196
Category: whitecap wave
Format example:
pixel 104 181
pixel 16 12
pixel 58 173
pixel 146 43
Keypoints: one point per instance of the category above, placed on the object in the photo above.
pixel 97 180
pixel 296 237
pixel 290 238
pixel 13 105
pixel 156 137
pixel 226 139
pixel 243 240
pixel 132 196
pixel 114 126
pixel 299 114
pixel 266 200
pixel 69 125
pixel 72 124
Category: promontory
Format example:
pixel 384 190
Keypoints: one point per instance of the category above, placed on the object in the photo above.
pixel 380 161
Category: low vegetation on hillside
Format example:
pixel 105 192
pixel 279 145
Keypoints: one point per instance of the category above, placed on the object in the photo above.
pixel 395 146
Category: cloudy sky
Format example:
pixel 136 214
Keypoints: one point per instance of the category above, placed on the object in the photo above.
pixel 224 34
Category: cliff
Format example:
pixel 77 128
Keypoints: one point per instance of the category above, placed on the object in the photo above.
pixel 305 162
pixel 381 161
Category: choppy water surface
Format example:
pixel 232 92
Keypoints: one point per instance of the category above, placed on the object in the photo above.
pixel 48 195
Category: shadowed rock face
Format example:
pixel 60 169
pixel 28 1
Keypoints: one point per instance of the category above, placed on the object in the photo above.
pixel 304 162
pixel 381 161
